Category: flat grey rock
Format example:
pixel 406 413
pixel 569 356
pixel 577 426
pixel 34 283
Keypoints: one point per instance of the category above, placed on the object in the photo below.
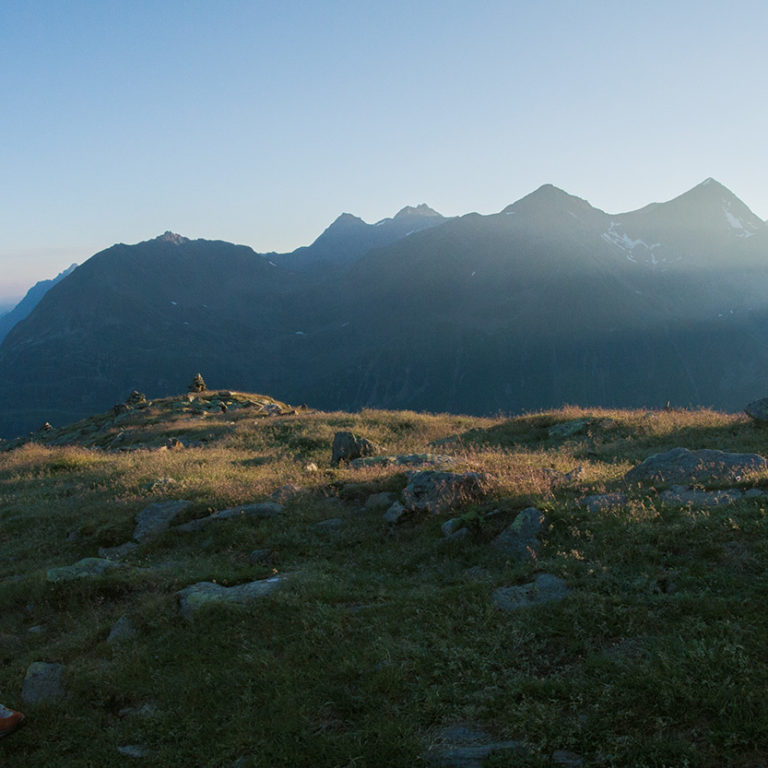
pixel 567 759
pixel 43 683
pixel 157 518
pixel 394 513
pixel 262 509
pixel 119 552
pixel 569 428
pixel 436 492
pixel 87 568
pixel 134 750
pixel 450 527
pixel 681 466
pixel 333 522
pixel 545 588
pixel 405 460
pixel 205 593
pixel 122 631
pixel 380 501
pixel 465 747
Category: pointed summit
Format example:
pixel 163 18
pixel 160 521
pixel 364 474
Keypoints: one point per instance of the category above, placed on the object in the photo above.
pixel 171 237
pixel 549 198
pixel 420 210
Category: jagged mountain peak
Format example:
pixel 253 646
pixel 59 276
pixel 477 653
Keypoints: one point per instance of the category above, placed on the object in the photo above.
pixel 345 220
pixel 419 210
pixel 171 237
pixel 547 196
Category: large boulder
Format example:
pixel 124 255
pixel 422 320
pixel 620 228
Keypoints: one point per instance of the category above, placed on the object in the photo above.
pixel 348 446
pixel 437 492
pixel 683 467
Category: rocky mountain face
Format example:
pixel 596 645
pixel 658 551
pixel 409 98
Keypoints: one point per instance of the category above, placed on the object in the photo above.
pixel 349 237
pixel 30 301
pixel 548 301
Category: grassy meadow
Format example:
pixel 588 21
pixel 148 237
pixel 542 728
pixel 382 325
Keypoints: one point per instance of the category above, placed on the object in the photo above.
pixel 381 634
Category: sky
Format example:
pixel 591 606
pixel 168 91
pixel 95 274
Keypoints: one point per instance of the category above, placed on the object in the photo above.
pixel 260 122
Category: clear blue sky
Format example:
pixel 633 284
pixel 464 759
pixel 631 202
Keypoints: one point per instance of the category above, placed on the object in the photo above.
pixel 259 122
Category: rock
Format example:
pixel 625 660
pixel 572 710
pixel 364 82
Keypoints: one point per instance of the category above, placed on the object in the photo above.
pixel 567 759
pixel 457 536
pixel 204 593
pixel 407 460
pixel 557 479
pixel 348 446
pixel 682 494
pixel 87 568
pixel 136 399
pixel 119 552
pixel 285 493
pixel 436 492
pixel 758 410
pixel 145 710
pixel 119 408
pixel 198 384
pixel 477 573
pixel 394 513
pixel 156 518
pixel 333 522
pixel 569 428
pixel 260 556
pixel 311 467
pixel 465 747
pixel 681 466
pixel 603 501
pixel 520 539
pixel 379 501
pixel 122 630
pixel 451 526
pixel 43 683
pixel 134 750
pixel 545 588
pixel 262 509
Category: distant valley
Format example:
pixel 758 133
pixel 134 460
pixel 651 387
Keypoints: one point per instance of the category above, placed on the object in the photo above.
pixel 550 301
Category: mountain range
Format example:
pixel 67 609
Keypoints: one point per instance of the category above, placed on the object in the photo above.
pixel 548 301
pixel 32 298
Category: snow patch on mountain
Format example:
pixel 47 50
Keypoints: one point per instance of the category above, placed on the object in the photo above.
pixel 625 243
pixel 742 229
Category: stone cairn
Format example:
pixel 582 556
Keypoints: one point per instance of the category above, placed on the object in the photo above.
pixel 198 384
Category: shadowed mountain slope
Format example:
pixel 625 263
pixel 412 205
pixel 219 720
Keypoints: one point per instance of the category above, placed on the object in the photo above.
pixel 549 301
pixel 30 301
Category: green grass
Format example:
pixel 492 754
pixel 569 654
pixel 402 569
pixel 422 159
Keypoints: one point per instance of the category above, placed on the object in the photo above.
pixel 381 635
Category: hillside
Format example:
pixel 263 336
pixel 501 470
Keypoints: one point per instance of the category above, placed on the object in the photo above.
pixel 571 604
pixel 32 298
pixel 548 302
